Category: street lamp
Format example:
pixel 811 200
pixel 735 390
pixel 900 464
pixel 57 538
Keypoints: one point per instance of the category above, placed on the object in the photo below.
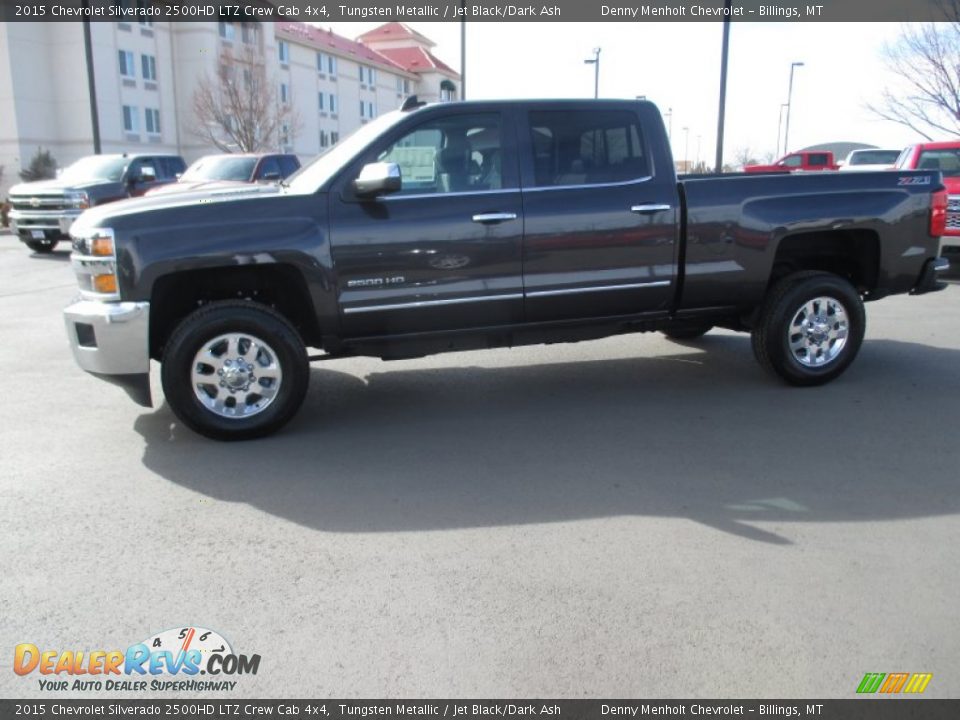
pixel 786 132
pixel 686 149
pixel 595 61
pixel 669 114
pixel 780 127
pixel 698 153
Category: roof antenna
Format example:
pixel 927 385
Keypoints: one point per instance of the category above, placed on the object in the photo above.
pixel 411 102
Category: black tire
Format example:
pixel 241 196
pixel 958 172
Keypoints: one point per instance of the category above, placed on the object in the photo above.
pixel 688 333
pixel 41 246
pixel 771 338
pixel 234 317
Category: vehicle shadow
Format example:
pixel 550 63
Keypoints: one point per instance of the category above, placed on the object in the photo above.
pixel 57 255
pixel 700 434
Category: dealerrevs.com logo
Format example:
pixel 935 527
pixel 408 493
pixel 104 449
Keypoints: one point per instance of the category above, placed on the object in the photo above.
pixel 171 660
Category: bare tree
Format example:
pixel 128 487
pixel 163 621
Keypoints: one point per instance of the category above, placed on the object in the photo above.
pixel 744 156
pixel 239 110
pixel 927 59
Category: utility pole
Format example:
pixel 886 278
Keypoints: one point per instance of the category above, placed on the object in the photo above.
pixel 786 132
pixel 595 61
pixel 724 52
pixel 91 83
pixel 463 50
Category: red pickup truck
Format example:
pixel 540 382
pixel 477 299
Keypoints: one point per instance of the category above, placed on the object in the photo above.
pixel 945 157
pixel 804 161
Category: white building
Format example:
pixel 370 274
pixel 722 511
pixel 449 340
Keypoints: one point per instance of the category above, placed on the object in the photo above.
pixel 145 75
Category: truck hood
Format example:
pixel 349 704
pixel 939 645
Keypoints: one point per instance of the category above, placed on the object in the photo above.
pixel 55 186
pixel 197 186
pixel 103 215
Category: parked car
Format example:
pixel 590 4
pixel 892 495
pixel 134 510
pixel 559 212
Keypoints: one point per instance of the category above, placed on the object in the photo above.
pixel 869 159
pixel 43 211
pixel 805 161
pixel 945 157
pixel 218 171
pixel 471 225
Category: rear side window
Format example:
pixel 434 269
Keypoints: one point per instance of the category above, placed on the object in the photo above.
pixel 168 167
pixel 288 165
pixel 585 147
pixel 817 159
pixel 269 166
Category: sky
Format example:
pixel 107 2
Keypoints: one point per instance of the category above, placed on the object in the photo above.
pixel 677 65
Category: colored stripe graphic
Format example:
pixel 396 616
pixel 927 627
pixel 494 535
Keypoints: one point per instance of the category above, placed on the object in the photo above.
pixel 894 682
pixel 871 682
pixel 918 682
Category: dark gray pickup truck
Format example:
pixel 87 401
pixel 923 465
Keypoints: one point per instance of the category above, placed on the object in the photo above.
pixel 485 224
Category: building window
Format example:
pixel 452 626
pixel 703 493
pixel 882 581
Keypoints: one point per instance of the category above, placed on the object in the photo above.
pixel 227 31
pixel 367 110
pixel 326 64
pixel 284 93
pixel 320 103
pixel 283 49
pixel 285 135
pixel 248 31
pixel 127 68
pixel 148 64
pixel 403 86
pixel 131 121
pixel 334 137
pixel 368 76
pixel 333 102
pixel 324 139
pixel 146 23
pixel 153 120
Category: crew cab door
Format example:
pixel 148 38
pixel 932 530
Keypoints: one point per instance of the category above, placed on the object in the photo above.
pixel 600 212
pixel 443 252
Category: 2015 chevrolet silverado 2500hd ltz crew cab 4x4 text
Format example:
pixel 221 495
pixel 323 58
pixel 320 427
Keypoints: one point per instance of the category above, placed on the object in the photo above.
pixel 485 224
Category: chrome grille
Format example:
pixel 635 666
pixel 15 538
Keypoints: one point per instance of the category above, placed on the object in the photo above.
pixel 38 202
pixel 953 203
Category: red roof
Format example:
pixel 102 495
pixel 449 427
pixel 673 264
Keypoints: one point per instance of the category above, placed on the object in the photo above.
pixel 327 39
pixel 395 31
pixel 418 60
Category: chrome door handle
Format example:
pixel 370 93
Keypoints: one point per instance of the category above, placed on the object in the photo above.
pixel 648 209
pixel 496 217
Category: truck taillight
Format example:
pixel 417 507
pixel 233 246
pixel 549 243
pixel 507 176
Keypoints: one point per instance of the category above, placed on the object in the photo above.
pixel 938 214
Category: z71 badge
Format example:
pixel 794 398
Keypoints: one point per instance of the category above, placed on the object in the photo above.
pixel 915 180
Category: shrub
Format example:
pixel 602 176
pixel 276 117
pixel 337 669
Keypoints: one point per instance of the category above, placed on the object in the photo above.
pixel 42 166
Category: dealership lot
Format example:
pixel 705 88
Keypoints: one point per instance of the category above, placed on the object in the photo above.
pixel 624 518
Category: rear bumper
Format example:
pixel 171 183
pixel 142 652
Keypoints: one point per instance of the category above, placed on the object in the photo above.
pixel 111 341
pixel 928 281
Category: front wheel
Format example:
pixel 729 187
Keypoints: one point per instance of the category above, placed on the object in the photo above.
pixel 235 371
pixel 41 246
pixel 810 328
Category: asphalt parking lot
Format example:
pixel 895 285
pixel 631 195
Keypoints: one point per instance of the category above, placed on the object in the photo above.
pixel 623 518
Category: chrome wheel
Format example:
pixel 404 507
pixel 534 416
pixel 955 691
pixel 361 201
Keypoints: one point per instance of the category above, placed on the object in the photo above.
pixel 818 332
pixel 236 375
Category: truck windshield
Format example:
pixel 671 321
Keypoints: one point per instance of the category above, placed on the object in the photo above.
pixel 220 167
pixel 312 176
pixel 947 161
pixel 95 167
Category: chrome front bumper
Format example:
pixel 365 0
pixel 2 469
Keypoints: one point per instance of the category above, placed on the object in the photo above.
pixel 111 340
pixel 60 221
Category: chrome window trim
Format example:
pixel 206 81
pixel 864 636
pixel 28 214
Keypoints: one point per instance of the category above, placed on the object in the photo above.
pixel 622 183
pixel 429 303
pixel 421 196
pixel 597 288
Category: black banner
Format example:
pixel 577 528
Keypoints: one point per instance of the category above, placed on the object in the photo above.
pixel 472 10
pixel 854 709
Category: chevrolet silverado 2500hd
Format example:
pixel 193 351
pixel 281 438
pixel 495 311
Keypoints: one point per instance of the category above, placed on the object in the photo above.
pixel 485 224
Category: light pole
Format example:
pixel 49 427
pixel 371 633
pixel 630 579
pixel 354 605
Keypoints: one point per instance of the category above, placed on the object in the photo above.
pixel 786 132
pixel 669 115
pixel 697 164
pixel 780 127
pixel 722 110
pixel 686 149
pixel 463 50
pixel 595 61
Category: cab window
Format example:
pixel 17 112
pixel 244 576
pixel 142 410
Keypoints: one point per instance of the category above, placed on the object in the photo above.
pixel 458 153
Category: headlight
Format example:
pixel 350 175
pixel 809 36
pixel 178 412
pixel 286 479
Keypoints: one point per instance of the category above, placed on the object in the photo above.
pixel 78 200
pixel 94 262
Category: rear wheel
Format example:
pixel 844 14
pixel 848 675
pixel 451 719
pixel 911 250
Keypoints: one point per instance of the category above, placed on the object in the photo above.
pixel 41 246
pixel 810 328
pixel 235 371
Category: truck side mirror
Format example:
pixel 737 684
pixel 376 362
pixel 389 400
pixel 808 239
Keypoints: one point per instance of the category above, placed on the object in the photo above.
pixel 378 178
